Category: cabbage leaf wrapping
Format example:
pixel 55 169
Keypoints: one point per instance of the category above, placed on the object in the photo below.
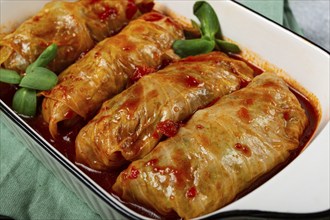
pixel 129 125
pixel 109 68
pixel 74 26
pixel 220 152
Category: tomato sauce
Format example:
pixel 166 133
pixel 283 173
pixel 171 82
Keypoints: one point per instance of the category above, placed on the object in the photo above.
pixel 257 70
pixel 131 9
pixel 141 71
pixel 168 127
pixel 191 193
pixel 134 173
pixel 132 104
pixel 199 126
pixel 243 114
pixel 94 1
pixel 107 12
pixel 146 7
pixel 181 172
pixel 243 148
pixel 152 162
pixel 153 17
pixel 191 81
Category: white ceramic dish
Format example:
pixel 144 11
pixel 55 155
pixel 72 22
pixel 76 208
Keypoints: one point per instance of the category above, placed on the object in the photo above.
pixel 301 187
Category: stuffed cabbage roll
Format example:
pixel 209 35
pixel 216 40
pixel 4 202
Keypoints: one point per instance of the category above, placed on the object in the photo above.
pixel 109 68
pixel 220 152
pixel 74 26
pixel 131 124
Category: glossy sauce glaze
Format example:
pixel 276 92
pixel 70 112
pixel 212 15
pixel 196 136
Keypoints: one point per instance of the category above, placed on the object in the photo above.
pixel 64 143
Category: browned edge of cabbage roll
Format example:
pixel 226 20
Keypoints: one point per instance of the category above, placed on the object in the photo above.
pixel 221 151
pixel 74 26
pixel 129 125
pixel 108 68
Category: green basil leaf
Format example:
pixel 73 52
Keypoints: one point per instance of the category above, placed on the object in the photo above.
pixel 185 48
pixel 45 57
pixel 210 25
pixel 226 46
pixel 9 76
pixel 25 102
pixel 39 78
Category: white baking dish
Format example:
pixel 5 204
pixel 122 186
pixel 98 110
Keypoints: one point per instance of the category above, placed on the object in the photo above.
pixel 301 187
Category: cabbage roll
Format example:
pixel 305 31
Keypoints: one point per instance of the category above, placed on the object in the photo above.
pixel 220 152
pixel 131 124
pixel 110 67
pixel 74 26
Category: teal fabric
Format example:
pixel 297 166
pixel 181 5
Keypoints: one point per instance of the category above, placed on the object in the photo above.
pixel 273 9
pixel 276 10
pixel 29 191
pixel 289 20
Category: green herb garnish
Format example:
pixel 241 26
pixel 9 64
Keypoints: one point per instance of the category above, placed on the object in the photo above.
pixel 191 47
pixel 225 46
pixel 9 76
pixel 211 35
pixel 45 57
pixel 37 77
pixel 25 101
pixel 210 26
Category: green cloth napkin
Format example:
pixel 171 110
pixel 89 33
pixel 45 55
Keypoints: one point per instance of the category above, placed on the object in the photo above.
pixel 29 191
pixel 276 10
